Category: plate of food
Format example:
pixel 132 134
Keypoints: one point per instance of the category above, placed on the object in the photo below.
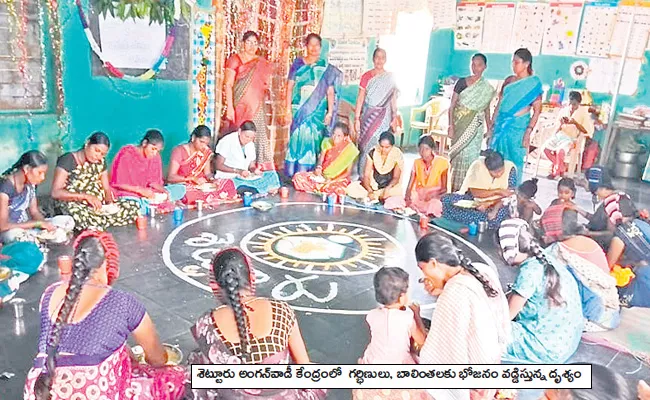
pixel 174 354
pixel 251 177
pixel 318 179
pixel 158 198
pixel 206 187
pixel 56 236
pixel 109 209
pixel 262 205
pixel 465 204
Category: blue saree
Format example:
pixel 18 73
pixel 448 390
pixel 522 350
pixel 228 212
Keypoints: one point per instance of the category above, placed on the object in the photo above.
pixel 309 107
pixel 509 129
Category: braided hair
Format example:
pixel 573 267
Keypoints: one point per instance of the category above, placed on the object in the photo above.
pixel 527 244
pixel 435 246
pixel 89 255
pixel 31 158
pixel 232 274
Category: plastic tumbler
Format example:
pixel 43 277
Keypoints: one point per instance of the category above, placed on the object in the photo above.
pixel 18 304
pixel 199 205
pixel 141 223
pixel 248 199
pixel 331 200
pixel 65 265
pixel 473 229
pixel 424 221
pixel 342 199
pixel 178 214
pixel 284 192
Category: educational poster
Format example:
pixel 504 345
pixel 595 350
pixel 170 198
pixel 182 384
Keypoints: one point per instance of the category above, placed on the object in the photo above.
pixel 444 13
pixel 640 31
pixel 133 43
pixel 497 28
pixel 378 18
pixel 598 23
pixel 603 75
pixel 562 26
pixel 469 26
pixel 528 27
pixel 351 57
pixel 342 18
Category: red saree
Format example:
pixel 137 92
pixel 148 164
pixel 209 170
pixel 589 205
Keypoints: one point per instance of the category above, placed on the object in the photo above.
pixel 193 165
pixel 249 91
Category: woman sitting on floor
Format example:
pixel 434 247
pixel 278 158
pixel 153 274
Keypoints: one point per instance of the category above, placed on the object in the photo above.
pixel 190 165
pixel 428 180
pixel 20 217
pixel 137 173
pixel 489 180
pixel 247 329
pixel 81 188
pixel 236 160
pixel 545 305
pixel 588 264
pixel 470 321
pixel 382 176
pixel 85 323
pixel 335 163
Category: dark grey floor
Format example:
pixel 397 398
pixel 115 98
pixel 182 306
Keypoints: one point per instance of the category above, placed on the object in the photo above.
pixel 165 267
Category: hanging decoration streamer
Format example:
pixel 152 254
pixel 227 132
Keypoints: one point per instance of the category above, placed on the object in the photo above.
pixel 54 27
pixel 203 70
pixel 116 72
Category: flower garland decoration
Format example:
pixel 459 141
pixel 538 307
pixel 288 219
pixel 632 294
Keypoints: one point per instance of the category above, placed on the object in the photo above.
pixel 116 72
pixel 203 70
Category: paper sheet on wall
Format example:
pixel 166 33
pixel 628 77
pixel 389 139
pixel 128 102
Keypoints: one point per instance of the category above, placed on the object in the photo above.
pixel 497 28
pixel 529 25
pixel 342 18
pixel 640 31
pixel 350 56
pixel 603 74
pixel 469 26
pixel 596 29
pixel 378 18
pixel 562 25
pixel 132 43
pixel 444 13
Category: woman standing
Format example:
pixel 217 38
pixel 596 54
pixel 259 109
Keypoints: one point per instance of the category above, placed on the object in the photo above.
pixel 468 112
pixel 190 165
pixel 545 305
pixel 85 323
pixel 247 82
pixel 82 189
pixel 332 174
pixel 311 103
pixel 513 123
pixel 376 109
pixel 470 321
pixel 247 329
pixel 428 180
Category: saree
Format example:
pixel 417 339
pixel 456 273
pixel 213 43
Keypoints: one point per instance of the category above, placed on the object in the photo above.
pixel 382 175
pixel 429 186
pixel 193 165
pixel 116 377
pixel 86 178
pixel 212 350
pixel 509 128
pixel 376 114
pixel 336 163
pixel 468 120
pixel 309 107
pixel 249 90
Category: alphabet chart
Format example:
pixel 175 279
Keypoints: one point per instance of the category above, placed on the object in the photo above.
pixel 640 31
pixel 497 29
pixel 444 13
pixel 469 25
pixel 562 25
pixel 596 29
pixel 528 30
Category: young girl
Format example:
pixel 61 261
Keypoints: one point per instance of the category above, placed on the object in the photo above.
pixel 526 205
pixel 392 325
pixel 566 193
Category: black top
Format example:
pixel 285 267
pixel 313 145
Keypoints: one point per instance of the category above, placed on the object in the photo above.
pixel 461 85
pixel 68 162
pixel 382 180
pixel 600 219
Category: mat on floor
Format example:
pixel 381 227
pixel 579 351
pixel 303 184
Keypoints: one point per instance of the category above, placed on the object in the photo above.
pixel 632 336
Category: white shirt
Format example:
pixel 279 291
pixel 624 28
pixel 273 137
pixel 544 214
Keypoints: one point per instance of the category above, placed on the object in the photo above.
pixel 236 156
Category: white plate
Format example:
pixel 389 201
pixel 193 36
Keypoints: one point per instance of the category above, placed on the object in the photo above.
pixel 158 198
pixel 109 209
pixel 251 177
pixel 465 204
pixel 262 205
pixel 318 179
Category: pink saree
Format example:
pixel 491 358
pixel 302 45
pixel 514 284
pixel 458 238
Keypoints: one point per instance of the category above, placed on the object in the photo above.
pixel 117 377
pixel 130 167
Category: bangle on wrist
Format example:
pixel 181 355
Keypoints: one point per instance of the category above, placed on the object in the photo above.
pixel 38 224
